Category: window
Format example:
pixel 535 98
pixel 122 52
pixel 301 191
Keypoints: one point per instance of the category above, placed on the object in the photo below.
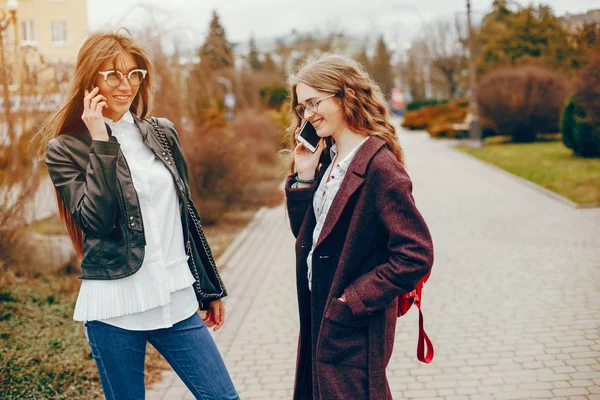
pixel 59 32
pixel 28 31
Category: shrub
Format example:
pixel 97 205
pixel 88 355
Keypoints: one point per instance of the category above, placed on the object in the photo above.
pixel 487 127
pixel 579 132
pixel 274 96
pixel 523 101
pixel 415 105
pixel 580 122
pixel 429 116
pixel 259 134
pixel 19 182
pixel 567 121
pixel 588 88
pixel 217 175
pixel 586 138
pixel 226 164
pixel 446 130
pixel 416 120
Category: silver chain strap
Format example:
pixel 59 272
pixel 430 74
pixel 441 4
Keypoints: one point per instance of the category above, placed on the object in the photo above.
pixel 196 220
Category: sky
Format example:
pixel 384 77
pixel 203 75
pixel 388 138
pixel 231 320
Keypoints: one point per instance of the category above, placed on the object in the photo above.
pixel 397 20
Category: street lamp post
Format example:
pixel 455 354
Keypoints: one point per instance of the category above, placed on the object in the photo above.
pixel 5 20
pixel 475 131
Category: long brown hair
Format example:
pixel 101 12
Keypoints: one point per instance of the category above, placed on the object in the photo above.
pixel 364 106
pixel 98 48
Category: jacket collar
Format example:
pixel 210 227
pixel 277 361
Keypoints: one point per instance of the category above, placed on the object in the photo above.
pixel 144 126
pixel 353 180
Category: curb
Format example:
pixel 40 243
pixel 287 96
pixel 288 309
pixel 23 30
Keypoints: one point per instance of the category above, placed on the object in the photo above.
pixel 534 186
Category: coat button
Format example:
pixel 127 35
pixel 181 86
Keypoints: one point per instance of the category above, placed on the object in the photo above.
pixel 169 163
pixel 131 218
pixel 164 154
pixel 132 224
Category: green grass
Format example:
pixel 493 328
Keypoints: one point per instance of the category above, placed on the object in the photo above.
pixel 43 352
pixel 549 164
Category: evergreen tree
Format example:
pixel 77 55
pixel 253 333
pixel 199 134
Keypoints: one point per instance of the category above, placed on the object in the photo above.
pixel 584 40
pixel 269 64
pixel 216 52
pixel 253 54
pixel 381 67
pixel 363 58
pixel 524 36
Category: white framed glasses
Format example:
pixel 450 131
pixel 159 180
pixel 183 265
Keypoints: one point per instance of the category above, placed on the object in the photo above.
pixel 114 78
pixel 311 107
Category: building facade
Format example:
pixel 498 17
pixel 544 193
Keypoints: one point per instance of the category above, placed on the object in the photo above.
pixel 56 29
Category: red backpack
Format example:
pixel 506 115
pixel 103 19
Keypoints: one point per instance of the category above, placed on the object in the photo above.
pixel 405 301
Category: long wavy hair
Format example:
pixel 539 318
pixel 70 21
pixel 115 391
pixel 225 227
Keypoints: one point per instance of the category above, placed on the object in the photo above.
pixel 364 106
pixel 98 48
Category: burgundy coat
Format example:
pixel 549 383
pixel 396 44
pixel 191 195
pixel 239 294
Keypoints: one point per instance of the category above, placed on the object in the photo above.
pixel 374 246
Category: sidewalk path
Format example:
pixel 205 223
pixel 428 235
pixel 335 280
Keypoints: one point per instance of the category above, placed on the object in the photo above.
pixel 513 304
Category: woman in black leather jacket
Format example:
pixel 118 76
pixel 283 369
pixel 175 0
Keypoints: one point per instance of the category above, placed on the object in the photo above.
pixel 123 194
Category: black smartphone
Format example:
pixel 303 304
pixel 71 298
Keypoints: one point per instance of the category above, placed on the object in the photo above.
pixel 308 136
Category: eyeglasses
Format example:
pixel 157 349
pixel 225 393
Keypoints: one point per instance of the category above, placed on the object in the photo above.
pixel 312 107
pixel 114 78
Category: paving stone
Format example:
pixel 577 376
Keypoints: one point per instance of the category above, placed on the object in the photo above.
pixel 507 306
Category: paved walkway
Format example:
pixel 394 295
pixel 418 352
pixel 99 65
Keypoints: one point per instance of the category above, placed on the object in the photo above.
pixel 513 305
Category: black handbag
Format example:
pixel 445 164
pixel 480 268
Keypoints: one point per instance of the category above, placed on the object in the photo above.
pixel 201 295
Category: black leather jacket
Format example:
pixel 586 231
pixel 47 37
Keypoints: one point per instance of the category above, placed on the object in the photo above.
pixel 94 181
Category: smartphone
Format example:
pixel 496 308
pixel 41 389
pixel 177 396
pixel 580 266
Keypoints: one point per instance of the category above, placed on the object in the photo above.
pixel 308 136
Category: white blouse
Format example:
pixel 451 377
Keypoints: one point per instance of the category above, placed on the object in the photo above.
pixel 160 293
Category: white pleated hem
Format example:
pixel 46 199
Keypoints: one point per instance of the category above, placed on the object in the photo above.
pixel 150 287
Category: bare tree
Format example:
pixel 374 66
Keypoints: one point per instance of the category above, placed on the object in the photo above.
pixel 381 67
pixel 448 54
pixel 412 70
pixel 17 190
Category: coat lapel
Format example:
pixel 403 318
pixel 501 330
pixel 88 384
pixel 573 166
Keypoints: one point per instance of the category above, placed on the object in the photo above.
pixel 353 180
pixel 148 135
pixel 150 138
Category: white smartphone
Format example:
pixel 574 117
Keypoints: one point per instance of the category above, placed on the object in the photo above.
pixel 308 136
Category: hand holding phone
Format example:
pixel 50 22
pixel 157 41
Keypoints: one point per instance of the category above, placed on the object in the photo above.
pixel 307 152
pixel 308 136
pixel 93 104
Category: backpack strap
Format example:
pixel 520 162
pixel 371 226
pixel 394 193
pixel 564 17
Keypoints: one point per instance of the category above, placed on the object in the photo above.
pixel 423 338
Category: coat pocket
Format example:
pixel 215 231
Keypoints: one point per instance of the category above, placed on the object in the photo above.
pixel 344 338
pixel 106 252
pixel 93 250
pixel 117 248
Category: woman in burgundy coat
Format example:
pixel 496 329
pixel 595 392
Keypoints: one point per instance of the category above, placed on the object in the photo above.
pixel 360 240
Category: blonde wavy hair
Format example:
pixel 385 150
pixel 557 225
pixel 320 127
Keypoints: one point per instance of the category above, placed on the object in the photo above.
pixel 362 102
pixel 97 48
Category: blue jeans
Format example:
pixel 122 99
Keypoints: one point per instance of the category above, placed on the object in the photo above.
pixel 187 346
